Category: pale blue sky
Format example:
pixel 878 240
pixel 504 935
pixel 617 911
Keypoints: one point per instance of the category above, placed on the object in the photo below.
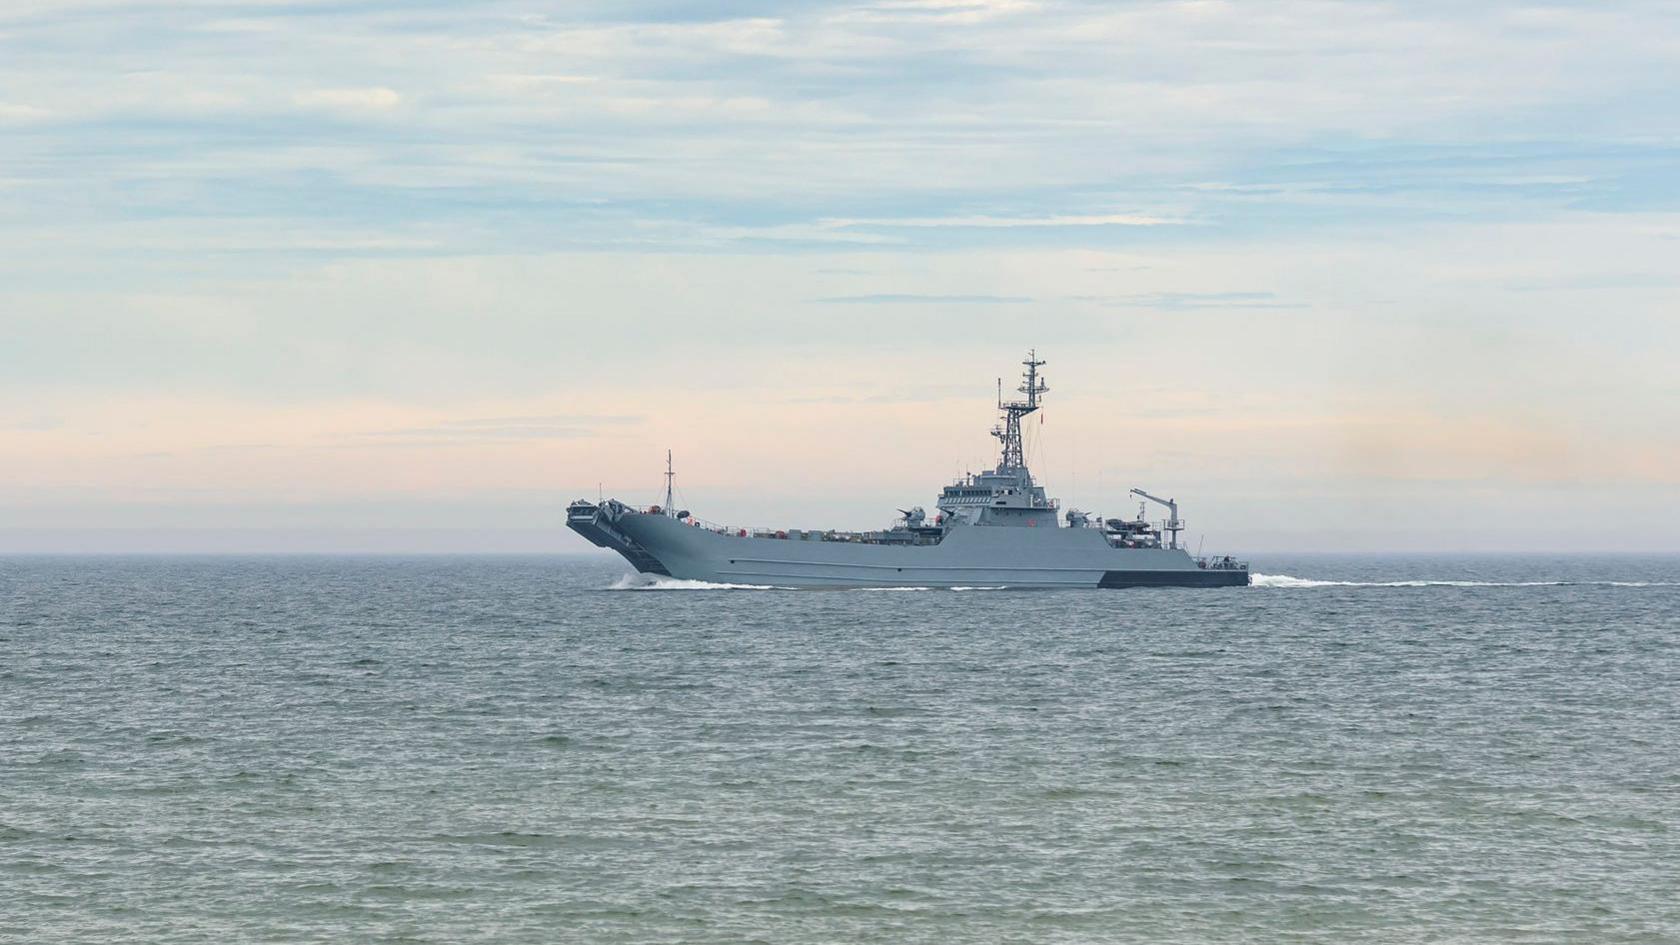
pixel 303 273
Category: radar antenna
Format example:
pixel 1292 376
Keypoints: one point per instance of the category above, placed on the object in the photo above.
pixel 1009 431
pixel 1174 526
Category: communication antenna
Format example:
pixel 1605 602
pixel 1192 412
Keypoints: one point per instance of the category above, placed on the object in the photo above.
pixel 670 477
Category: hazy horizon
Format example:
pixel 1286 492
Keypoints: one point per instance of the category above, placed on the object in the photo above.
pixel 337 277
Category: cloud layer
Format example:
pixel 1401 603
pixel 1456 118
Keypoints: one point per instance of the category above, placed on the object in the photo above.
pixel 1392 253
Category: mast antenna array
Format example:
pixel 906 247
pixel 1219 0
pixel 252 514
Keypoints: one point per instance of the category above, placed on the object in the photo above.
pixel 1009 432
pixel 670 477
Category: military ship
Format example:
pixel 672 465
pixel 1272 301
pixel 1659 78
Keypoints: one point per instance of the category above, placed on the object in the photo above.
pixel 996 528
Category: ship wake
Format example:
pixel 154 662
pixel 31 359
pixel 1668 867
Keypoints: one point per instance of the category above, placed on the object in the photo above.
pixel 656 582
pixel 1288 581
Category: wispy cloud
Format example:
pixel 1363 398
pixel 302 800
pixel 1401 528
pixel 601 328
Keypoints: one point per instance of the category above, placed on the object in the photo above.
pixel 905 298
pixel 948 11
pixel 17 113
pixel 1598 281
pixel 928 124
pixel 996 222
pixel 36 424
pixel 479 429
pixel 1190 300
pixel 371 99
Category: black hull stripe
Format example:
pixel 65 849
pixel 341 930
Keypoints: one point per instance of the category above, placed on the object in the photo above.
pixel 1196 578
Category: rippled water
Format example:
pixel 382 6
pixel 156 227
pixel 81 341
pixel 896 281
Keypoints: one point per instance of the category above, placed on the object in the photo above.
pixel 511 750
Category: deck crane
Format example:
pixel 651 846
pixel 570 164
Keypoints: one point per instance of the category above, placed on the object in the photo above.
pixel 1174 526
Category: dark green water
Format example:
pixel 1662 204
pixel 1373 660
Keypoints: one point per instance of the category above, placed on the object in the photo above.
pixel 508 750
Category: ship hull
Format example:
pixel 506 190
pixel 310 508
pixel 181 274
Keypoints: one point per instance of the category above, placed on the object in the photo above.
pixel 973 556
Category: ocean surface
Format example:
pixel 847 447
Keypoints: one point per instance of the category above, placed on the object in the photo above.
pixel 530 749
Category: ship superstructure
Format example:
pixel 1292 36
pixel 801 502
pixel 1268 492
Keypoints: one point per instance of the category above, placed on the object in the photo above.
pixel 993 528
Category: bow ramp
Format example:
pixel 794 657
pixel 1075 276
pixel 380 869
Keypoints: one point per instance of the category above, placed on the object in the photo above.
pixel 597 523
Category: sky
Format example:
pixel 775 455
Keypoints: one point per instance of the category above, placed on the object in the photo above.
pixel 374 276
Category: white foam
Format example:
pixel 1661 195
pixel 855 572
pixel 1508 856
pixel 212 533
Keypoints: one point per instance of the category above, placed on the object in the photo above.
pixel 1285 580
pixel 657 582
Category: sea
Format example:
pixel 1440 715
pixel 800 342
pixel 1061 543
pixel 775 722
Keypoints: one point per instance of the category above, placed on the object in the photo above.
pixel 547 750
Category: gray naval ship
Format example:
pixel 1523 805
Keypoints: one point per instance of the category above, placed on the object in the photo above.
pixel 995 528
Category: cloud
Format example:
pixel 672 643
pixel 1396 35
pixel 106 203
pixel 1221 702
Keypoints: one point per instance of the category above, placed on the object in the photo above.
pixel 15 113
pixel 993 222
pixel 901 298
pixel 1598 281
pixel 1190 300
pixel 36 424
pixel 945 11
pixel 501 428
pixel 927 125
pixel 371 99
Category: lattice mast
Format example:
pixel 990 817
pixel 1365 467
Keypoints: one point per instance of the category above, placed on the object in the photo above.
pixel 1009 431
